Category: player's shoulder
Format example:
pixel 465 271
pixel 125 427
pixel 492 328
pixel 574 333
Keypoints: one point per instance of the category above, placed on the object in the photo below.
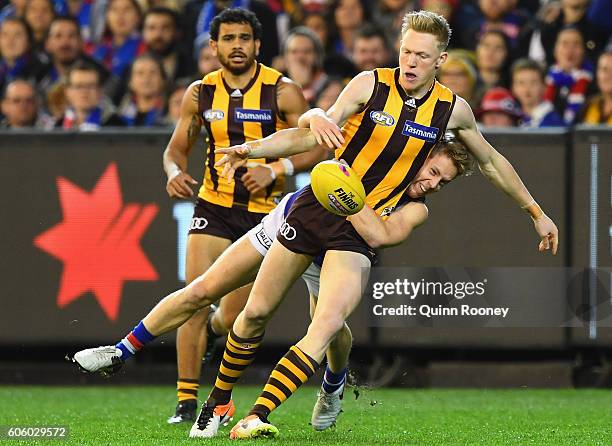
pixel 211 78
pixel 462 115
pixel 443 93
pixel 270 75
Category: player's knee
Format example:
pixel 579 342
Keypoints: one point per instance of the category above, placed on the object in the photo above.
pixel 326 326
pixel 198 294
pixel 256 315
pixel 228 318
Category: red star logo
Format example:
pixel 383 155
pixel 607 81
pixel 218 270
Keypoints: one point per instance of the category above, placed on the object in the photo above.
pixel 99 242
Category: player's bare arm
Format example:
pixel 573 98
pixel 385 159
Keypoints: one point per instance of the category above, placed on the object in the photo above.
pixel 379 233
pixel 183 138
pixel 278 145
pixel 291 105
pixel 326 125
pixel 500 172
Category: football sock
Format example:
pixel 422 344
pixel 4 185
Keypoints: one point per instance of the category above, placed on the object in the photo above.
pixel 187 389
pixel 333 381
pixel 239 353
pixel 291 372
pixel 134 341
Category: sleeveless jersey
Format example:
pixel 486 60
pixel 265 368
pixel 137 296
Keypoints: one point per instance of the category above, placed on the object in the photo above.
pixel 234 116
pixel 388 142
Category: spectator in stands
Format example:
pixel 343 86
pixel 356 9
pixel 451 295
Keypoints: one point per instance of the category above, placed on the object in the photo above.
pixel 445 8
pixel 459 74
pixel 599 108
pixel 16 57
pixel 388 15
pixel 330 92
pixel 39 14
pixel 144 104
pixel 86 108
pixel 174 103
pixel 121 42
pixel 492 61
pixel 500 15
pixel 64 46
pixel 499 109
pixel 303 54
pixel 528 87
pixel 317 22
pixel 370 49
pixel 19 105
pixel 571 12
pixel 347 16
pixel 162 38
pixel 89 14
pixel 568 80
pixel 198 15
pixel 14 8
pixel 207 61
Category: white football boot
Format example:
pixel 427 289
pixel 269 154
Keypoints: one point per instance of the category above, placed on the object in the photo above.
pixel 211 418
pixel 326 409
pixel 104 360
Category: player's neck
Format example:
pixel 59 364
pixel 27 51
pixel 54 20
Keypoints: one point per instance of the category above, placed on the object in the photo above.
pixel 419 92
pixel 241 80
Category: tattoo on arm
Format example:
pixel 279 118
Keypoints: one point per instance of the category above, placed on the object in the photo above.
pixel 193 131
pixel 195 94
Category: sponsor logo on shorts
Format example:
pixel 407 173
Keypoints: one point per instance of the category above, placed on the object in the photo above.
pixel 287 231
pixel 248 115
pixel 213 115
pixel 198 223
pixel 263 238
pixel 419 131
pixel 382 118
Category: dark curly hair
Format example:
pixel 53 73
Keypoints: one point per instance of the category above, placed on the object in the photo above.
pixel 235 15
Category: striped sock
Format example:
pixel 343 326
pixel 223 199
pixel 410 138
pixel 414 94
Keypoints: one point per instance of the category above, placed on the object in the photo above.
pixel 134 341
pixel 291 372
pixel 333 381
pixel 239 353
pixel 187 389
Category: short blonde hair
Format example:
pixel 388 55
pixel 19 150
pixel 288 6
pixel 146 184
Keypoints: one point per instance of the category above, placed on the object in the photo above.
pixel 430 23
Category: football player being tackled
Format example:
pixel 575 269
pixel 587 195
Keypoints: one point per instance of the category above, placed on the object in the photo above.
pixel 239 265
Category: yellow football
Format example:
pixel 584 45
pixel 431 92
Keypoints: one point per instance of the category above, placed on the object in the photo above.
pixel 337 187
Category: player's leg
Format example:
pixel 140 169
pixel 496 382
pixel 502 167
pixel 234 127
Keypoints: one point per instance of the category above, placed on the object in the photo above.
pixel 329 397
pixel 202 251
pixel 229 272
pixel 343 277
pixel 280 268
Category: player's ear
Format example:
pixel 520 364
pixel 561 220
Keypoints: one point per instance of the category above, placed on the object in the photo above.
pixel 213 46
pixel 257 45
pixel 441 59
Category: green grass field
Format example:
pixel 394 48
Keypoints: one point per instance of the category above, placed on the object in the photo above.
pixel 136 416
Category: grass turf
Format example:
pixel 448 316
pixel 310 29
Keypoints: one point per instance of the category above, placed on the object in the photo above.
pixel 137 415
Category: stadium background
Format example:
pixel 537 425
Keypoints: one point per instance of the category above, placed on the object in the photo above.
pixel 49 310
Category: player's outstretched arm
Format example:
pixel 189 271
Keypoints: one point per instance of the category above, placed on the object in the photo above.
pixel 379 233
pixel 501 173
pixel 278 145
pixel 326 125
pixel 185 134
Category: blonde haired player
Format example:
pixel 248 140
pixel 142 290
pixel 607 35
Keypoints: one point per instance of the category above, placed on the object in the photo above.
pixel 390 118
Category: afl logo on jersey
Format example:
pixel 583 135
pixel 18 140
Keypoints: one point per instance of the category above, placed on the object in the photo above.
pixel 382 118
pixel 213 115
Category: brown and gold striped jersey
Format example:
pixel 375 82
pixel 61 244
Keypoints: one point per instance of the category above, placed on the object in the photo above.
pixel 388 142
pixel 234 116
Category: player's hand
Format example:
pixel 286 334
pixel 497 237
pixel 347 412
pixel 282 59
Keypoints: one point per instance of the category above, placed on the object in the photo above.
pixel 549 233
pixel 235 157
pixel 257 178
pixel 179 185
pixel 326 131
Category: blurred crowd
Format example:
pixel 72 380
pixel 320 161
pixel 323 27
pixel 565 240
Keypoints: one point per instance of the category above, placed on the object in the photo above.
pixel 86 64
